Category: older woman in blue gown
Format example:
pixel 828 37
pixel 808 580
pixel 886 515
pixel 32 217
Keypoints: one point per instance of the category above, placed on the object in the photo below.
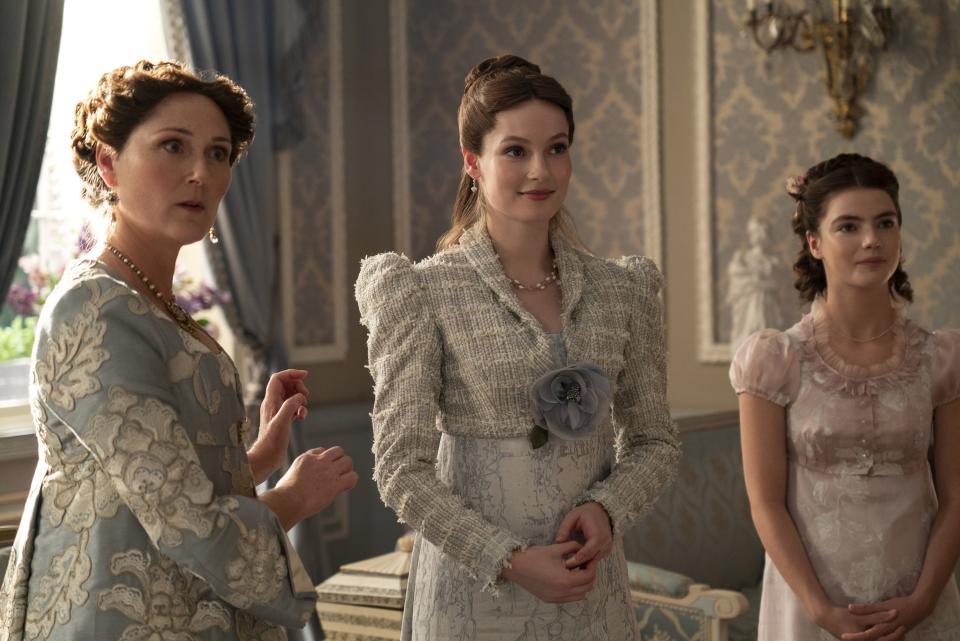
pixel 142 521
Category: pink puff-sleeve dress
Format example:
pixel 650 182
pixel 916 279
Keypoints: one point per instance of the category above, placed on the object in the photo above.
pixel 859 485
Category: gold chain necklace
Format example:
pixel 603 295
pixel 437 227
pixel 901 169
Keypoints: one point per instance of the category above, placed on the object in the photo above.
pixel 864 340
pixel 179 314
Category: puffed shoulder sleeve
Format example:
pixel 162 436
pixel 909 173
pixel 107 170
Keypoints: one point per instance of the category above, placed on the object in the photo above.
pixel 946 366
pixel 102 368
pixel 648 446
pixel 767 365
pixel 405 361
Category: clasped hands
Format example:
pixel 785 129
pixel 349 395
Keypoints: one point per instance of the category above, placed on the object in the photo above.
pixel 565 571
pixel 316 476
pixel 888 620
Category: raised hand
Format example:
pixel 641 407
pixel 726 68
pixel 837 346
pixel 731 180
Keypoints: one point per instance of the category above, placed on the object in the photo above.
pixel 314 479
pixel 285 400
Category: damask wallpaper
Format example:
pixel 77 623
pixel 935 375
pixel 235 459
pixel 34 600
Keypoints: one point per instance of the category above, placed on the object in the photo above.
pixel 315 287
pixel 604 52
pixel 769 117
pixel 310 174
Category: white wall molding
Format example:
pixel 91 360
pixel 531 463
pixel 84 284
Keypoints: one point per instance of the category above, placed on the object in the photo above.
pixel 400 127
pixel 709 350
pixel 335 350
pixel 651 132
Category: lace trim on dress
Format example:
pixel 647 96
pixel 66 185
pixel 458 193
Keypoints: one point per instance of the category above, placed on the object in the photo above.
pixel 832 371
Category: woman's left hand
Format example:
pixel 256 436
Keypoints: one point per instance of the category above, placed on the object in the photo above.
pixel 910 610
pixel 592 520
pixel 284 401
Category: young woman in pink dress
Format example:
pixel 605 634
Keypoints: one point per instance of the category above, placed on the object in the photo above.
pixel 836 415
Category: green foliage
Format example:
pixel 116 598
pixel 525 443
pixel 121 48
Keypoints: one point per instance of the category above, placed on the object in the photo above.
pixel 16 340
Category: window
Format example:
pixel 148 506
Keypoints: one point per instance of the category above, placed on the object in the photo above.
pixel 98 35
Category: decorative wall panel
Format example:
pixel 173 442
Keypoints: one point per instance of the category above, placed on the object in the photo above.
pixel 604 52
pixel 315 291
pixel 764 118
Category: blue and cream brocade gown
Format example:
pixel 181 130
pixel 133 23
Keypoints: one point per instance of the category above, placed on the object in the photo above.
pixel 141 522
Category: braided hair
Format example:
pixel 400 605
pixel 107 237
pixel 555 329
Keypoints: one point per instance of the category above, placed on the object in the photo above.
pixel 812 192
pixel 125 97
pixel 495 85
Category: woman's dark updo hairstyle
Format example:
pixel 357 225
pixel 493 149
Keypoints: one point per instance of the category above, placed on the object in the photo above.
pixel 812 193
pixel 124 97
pixel 495 85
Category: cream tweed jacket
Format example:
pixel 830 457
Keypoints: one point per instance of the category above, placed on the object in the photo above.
pixel 452 350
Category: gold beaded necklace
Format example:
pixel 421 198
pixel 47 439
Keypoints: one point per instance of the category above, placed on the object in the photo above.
pixel 180 315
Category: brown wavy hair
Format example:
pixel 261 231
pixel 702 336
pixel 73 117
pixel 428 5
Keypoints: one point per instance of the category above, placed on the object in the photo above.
pixel 124 97
pixel 495 85
pixel 812 193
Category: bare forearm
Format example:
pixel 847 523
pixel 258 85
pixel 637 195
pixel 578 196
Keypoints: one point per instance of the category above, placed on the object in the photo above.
pixel 780 538
pixel 258 466
pixel 283 505
pixel 943 549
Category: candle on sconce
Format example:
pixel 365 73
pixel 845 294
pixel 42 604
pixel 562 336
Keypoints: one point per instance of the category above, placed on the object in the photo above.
pixel 844 13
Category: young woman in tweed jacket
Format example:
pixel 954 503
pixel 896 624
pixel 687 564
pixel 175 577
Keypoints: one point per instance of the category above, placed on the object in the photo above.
pixel 511 325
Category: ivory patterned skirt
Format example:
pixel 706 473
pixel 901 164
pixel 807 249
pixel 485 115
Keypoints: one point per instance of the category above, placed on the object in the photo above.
pixel 529 492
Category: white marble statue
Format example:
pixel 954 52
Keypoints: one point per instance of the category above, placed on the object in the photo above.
pixel 752 293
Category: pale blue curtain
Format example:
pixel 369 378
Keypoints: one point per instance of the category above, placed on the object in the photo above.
pixel 247 42
pixel 29 43
pixel 236 38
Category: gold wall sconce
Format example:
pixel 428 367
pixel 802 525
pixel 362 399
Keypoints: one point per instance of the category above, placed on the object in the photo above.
pixel 850 40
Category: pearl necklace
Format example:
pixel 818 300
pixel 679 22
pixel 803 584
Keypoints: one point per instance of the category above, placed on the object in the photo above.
pixel 180 316
pixel 541 285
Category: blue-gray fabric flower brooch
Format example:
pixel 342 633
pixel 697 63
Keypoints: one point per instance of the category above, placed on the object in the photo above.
pixel 569 403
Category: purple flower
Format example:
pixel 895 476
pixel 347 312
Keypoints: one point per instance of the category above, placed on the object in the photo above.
pixel 197 299
pixel 188 301
pixel 569 402
pixel 22 299
pixel 87 239
pixel 30 265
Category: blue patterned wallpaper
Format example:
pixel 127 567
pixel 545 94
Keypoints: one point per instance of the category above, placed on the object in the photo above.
pixel 771 118
pixel 602 51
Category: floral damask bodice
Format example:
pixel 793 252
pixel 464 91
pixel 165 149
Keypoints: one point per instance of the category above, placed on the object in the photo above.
pixel 142 521
pixel 847 419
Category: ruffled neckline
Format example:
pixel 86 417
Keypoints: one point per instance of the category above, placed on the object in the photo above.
pixel 831 369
